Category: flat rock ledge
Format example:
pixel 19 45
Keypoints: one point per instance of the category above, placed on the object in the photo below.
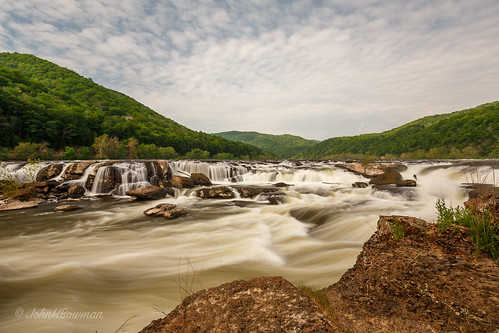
pixel 166 210
pixel 266 304
pixel 424 281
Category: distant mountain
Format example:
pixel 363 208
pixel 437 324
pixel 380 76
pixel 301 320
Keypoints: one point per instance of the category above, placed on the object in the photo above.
pixel 471 133
pixel 285 145
pixel 41 102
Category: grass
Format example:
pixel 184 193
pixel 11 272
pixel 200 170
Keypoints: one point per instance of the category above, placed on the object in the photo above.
pixel 397 229
pixel 320 299
pixel 484 234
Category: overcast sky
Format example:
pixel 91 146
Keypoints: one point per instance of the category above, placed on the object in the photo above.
pixel 317 69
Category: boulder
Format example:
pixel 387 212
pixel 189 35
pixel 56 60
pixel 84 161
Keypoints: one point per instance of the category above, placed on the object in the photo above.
pixel 165 210
pixel 148 193
pixel 265 304
pixel 89 182
pixel 372 170
pixel 67 208
pixel 181 182
pixel 163 169
pixel 48 172
pixel 76 191
pixel 14 204
pixel 407 183
pixel 360 185
pixel 253 191
pixel 110 180
pixel 219 192
pixel 76 170
pixel 201 179
pixel 282 184
pixel 389 176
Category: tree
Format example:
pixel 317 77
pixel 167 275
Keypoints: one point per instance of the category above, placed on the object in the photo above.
pixel 131 148
pixel 69 154
pixel 197 154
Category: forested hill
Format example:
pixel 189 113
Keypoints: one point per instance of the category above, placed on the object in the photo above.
pixel 41 102
pixel 285 146
pixel 471 133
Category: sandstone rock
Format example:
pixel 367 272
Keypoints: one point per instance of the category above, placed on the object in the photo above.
pixel 389 176
pixel 163 169
pixel 50 171
pixel 89 182
pixel 14 204
pixel 360 185
pixel 76 170
pixel 407 183
pixel 148 193
pixel 372 170
pixel 218 192
pixel 110 180
pixel 266 304
pixel 253 191
pixel 181 182
pixel 200 179
pixel 76 191
pixel 165 210
pixel 67 208
pixel 480 202
pixel 282 184
pixel 425 281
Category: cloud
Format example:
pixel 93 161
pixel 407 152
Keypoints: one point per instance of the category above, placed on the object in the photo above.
pixel 330 69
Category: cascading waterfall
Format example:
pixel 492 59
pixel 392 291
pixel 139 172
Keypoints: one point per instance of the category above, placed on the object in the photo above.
pixel 120 177
pixel 217 171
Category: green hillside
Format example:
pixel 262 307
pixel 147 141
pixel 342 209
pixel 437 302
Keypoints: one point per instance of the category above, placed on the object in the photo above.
pixel 285 146
pixel 41 102
pixel 471 133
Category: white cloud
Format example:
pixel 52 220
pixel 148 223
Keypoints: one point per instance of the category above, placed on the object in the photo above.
pixel 340 68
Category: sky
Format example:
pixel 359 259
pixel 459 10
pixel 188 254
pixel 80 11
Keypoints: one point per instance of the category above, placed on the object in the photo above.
pixel 317 69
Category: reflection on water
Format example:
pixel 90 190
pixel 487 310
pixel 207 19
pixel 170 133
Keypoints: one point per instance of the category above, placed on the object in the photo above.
pixel 111 258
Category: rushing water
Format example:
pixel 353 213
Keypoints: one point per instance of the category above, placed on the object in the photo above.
pixel 111 263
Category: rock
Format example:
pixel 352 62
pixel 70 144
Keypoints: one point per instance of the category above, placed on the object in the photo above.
pixel 163 169
pixel 480 202
pixel 266 304
pixel 281 184
pixel 76 170
pixel 89 182
pixel 389 176
pixel 165 210
pixel 407 183
pixel 219 192
pixel 360 185
pixel 14 204
pixel 76 191
pixel 371 170
pixel 66 208
pixel 253 191
pixel 110 180
pixel 25 192
pixel 425 281
pixel 50 171
pixel 181 182
pixel 148 193
pixel 200 179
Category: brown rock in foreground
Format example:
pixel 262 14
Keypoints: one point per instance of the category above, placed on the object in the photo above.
pixel 423 282
pixel 165 210
pixel 266 304
pixel 147 193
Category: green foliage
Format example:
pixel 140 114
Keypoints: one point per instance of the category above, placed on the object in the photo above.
pixel 283 146
pixel 69 154
pixel 42 102
pixel 198 154
pixel 397 229
pixel 484 234
pixel 224 156
pixel 472 133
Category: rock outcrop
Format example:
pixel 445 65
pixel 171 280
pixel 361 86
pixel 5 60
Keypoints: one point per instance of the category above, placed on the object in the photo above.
pixel 200 179
pixel 76 170
pixel 485 200
pixel 371 170
pixel 424 281
pixel 67 208
pixel 49 172
pixel 166 210
pixel 389 176
pixel 218 192
pixel 267 304
pixel 181 182
pixel 76 191
pixel 148 193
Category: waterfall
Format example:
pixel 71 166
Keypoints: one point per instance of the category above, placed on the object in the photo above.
pixel 120 177
pixel 219 171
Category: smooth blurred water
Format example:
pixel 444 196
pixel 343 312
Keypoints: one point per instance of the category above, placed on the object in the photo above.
pixel 111 259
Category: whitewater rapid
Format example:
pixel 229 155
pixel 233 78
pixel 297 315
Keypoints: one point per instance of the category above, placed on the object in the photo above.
pixel 111 259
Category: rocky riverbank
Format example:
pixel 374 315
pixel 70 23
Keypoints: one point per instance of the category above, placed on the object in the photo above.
pixel 409 277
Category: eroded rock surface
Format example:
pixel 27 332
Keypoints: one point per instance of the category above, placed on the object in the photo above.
pixel 266 304
pixel 166 210
pixel 148 193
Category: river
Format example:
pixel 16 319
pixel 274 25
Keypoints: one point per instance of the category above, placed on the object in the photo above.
pixel 109 264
